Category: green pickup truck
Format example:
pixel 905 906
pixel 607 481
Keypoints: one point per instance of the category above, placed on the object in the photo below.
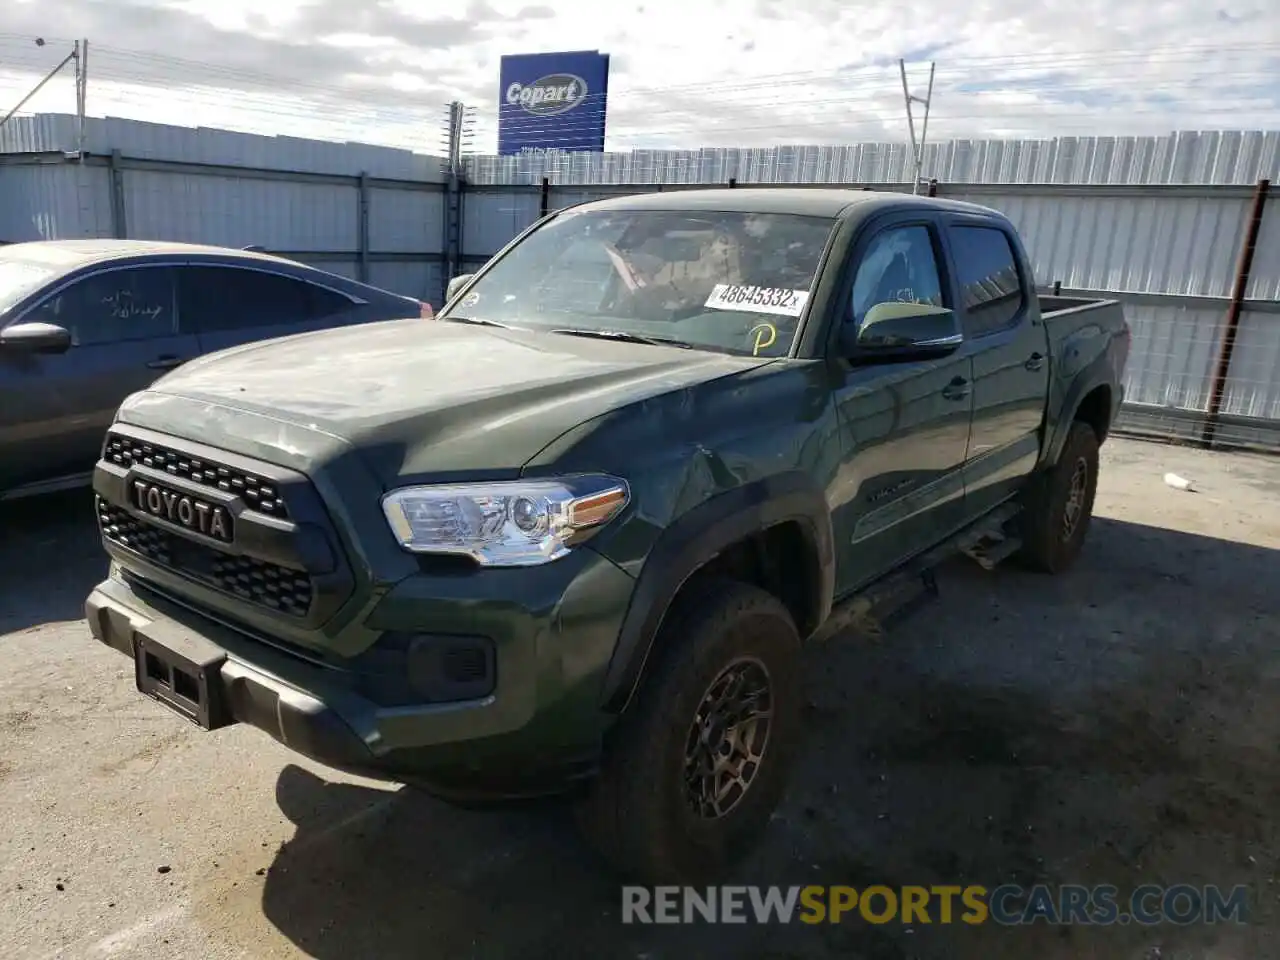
pixel 570 536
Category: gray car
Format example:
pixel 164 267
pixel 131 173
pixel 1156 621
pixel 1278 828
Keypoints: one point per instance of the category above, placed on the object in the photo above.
pixel 85 323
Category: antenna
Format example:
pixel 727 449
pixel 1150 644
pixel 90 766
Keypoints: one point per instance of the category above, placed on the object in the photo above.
pixel 917 148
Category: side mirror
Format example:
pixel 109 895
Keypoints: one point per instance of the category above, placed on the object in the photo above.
pixel 904 331
pixel 35 338
pixel 456 284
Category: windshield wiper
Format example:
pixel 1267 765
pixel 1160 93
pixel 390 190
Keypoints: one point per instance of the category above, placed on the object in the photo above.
pixel 625 336
pixel 476 320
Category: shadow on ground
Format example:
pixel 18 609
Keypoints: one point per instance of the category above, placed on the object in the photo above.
pixel 50 558
pixel 1116 725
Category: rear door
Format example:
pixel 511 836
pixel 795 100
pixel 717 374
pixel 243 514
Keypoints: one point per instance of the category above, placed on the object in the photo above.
pixel 124 333
pixel 904 425
pixel 1006 339
pixel 230 305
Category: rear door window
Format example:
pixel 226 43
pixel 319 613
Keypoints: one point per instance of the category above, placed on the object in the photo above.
pixel 228 298
pixel 990 286
pixel 325 302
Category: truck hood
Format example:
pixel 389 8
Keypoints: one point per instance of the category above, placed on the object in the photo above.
pixel 417 399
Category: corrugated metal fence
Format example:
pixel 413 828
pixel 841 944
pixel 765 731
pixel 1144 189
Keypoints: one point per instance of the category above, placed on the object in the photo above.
pixel 1157 221
pixel 366 212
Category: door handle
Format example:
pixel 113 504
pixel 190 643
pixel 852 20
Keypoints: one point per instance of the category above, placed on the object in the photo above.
pixel 1035 361
pixel 166 362
pixel 957 389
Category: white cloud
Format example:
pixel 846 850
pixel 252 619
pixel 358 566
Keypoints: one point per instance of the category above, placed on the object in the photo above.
pixel 685 72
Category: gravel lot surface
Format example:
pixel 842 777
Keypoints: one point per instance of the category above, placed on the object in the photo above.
pixel 1116 725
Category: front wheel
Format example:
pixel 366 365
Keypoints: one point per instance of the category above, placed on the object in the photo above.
pixel 1058 505
pixel 700 759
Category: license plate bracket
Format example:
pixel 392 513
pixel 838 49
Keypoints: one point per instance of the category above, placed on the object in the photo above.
pixel 183 672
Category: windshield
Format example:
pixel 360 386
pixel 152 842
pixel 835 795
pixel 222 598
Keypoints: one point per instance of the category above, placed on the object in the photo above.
pixel 19 278
pixel 730 282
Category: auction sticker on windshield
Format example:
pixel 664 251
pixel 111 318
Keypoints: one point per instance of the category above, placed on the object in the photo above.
pixel 775 300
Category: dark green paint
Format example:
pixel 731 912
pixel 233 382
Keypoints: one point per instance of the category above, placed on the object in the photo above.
pixel 895 465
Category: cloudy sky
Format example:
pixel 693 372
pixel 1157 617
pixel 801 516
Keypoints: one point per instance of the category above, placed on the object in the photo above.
pixel 684 72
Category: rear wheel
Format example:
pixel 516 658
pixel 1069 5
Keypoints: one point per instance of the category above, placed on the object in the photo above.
pixel 700 759
pixel 1058 506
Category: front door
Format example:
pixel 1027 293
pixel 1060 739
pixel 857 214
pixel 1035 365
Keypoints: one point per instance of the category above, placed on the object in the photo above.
pixel 57 408
pixel 904 425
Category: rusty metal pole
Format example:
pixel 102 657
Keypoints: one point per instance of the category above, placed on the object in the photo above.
pixel 1244 264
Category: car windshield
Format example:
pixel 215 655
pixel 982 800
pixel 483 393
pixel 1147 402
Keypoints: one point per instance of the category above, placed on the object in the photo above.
pixel 19 278
pixel 730 282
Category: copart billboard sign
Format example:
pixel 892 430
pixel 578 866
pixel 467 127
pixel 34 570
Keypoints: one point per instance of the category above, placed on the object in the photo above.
pixel 553 101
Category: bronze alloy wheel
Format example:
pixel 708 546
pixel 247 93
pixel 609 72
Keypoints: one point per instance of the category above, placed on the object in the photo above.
pixel 728 738
pixel 1077 492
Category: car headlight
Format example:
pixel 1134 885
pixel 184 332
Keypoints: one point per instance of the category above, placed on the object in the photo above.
pixel 517 523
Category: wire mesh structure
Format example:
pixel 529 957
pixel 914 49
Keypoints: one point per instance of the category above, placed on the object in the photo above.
pixel 1211 157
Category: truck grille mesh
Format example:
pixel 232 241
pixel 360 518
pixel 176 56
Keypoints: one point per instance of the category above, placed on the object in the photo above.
pixel 257 492
pixel 257 581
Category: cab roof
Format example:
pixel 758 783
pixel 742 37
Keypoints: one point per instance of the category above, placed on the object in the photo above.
pixel 832 203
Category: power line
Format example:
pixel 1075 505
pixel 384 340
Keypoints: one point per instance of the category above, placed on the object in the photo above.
pixel 277 104
pixel 1205 90
pixel 1171 55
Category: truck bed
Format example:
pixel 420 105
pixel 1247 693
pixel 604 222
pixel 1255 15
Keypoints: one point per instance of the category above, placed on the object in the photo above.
pixel 1084 333
pixel 1090 324
pixel 1052 305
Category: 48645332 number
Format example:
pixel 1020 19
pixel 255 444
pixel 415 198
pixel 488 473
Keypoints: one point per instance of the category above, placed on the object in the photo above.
pixel 755 299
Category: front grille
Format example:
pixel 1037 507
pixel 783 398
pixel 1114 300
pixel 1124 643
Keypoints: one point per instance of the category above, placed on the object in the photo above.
pixel 258 493
pixel 257 581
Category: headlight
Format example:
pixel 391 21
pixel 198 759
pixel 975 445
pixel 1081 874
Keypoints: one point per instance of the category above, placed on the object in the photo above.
pixel 518 523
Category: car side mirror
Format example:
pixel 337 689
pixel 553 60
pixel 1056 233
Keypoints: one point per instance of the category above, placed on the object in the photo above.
pixel 456 284
pixel 903 331
pixel 35 338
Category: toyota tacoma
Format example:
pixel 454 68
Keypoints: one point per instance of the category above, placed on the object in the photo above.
pixel 571 536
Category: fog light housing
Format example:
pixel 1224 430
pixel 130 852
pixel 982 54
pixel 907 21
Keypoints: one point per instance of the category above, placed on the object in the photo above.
pixel 446 669
pixel 407 669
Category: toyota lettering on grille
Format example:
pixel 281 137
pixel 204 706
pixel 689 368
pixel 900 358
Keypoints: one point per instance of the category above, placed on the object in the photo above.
pixel 183 510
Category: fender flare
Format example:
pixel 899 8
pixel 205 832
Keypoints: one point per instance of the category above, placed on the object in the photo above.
pixel 1094 376
pixel 695 538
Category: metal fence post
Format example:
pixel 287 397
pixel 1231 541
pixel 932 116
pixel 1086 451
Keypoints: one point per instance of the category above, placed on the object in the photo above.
pixel 544 198
pixel 119 213
pixel 1239 290
pixel 363 227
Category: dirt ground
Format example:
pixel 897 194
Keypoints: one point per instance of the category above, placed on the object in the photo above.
pixel 1116 725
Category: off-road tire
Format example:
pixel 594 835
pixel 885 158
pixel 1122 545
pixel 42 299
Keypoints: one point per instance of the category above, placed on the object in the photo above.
pixel 636 812
pixel 1049 543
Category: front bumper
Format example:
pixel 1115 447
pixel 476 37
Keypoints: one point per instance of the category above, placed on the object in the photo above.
pixel 538 732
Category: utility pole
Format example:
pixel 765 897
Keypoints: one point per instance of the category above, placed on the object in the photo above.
pixel 82 94
pixel 457 136
pixel 917 148
pixel 73 55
